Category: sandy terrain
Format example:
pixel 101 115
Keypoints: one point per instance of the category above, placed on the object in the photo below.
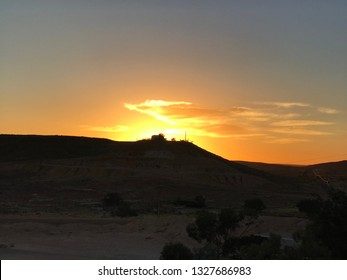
pixel 102 238
pixel 66 238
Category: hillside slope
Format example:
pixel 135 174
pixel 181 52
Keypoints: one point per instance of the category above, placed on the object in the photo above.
pixel 68 174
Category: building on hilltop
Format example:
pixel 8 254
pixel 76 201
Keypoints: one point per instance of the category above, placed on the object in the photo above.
pixel 159 137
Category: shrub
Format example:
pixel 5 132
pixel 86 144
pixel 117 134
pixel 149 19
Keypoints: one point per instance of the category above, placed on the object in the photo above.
pixel 310 207
pixel 111 200
pixel 124 210
pixel 116 206
pixel 200 201
pixel 216 229
pixel 269 249
pixel 176 251
pixel 253 207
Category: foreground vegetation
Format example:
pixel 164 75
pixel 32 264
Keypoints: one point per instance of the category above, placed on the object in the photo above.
pixel 324 237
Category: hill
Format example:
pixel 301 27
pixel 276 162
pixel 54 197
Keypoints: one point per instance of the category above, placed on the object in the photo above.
pixel 333 173
pixel 338 168
pixel 36 147
pixel 279 169
pixel 64 174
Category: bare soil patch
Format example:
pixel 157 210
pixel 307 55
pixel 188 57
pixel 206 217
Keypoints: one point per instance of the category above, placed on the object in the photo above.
pixel 139 237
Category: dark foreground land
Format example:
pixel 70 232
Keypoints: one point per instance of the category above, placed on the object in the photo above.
pixel 52 190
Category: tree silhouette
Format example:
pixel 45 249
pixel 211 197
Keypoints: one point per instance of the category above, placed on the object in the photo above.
pixel 216 229
pixel 325 236
pixel 252 208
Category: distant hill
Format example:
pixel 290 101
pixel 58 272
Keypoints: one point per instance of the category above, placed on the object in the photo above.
pixel 334 169
pixel 279 169
pixel 332 166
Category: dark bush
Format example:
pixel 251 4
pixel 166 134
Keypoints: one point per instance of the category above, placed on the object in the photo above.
pixel 124 210
pixel 111 200
pixel 116 206
pixel 200 201
pixel 204 228
pixel 310 207
pixel 176 251
pixel 269 249
pixel 217 229
pixel 253 207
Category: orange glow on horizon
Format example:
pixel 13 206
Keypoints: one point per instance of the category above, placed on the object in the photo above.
pixel 253 133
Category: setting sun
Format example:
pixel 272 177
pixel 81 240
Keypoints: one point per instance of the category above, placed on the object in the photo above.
pixel 228 77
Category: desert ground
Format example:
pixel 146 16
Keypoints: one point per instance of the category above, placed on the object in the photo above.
pixel 108 238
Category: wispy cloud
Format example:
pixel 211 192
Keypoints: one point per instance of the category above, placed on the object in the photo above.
pixel 294 123
pixel 287 140
pixel 271 122
pixel 154 108
pixel 300 131
pixel 329 111
pixel 253 114
pixel 210 122
pixel 286 105
pixel 159 103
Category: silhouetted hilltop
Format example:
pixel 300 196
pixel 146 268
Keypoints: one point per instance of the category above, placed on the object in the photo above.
pixel 67 173
pixel 27 147
pixel 38 147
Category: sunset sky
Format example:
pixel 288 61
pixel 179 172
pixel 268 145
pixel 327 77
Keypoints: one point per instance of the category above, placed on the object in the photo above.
pixel 248 80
